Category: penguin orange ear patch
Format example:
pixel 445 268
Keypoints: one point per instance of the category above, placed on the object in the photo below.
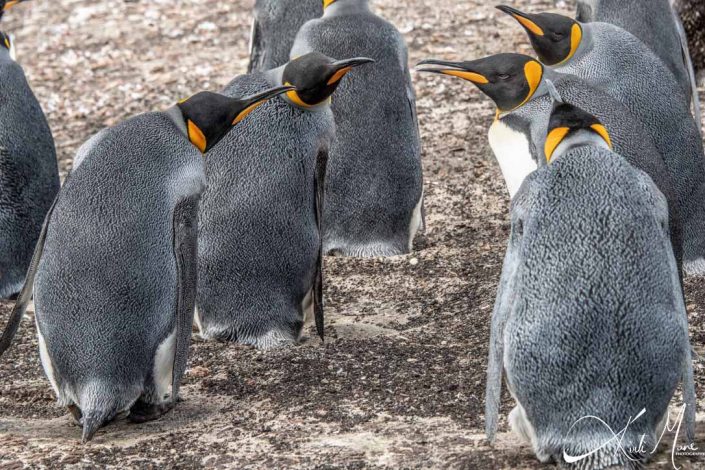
pixel 554 139
pixel 196 136
pixel 533 72
pixel 602 131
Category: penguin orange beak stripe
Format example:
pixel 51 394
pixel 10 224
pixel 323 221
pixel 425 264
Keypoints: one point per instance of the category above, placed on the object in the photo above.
pixel 339 75
pixel 10 4
pixel 523 19
pixel 196 136
pixel 245 112
pixel 554 139
pixel 469 76
pixel 602 131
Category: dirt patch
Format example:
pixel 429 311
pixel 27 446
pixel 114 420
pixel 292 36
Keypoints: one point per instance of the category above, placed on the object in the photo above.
pixel 400 381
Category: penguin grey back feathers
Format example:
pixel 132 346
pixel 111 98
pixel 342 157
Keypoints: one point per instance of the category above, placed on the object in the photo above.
pixel 653 22
pixel 29 176
pixel 374 182
pixel 274 28
pixel 109 278
pixel 622 66
pixel 589 318
pixel 258 235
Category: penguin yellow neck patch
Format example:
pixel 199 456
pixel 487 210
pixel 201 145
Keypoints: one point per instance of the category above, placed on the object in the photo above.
pixel 602 132
pixel 554 139
pixel 533 71
pixel 195 135
pixel 576 37
pixel 327 3
pixel 339 75
pixel 469 76
pixel 295 98
pixel 530 25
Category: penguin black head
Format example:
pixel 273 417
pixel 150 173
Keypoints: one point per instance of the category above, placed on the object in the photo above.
pixel 7 4
pixel 210 116
pixel 510 80
pixel 5 41
pixel 566 122
pixel 555 38
pixel 316 77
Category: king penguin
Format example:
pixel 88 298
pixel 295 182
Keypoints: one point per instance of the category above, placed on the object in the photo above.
pixel 114 272
pixel 525 92
pixel 260 265
pixel 374 184
pixel 653 22
pixel 29 174
pixel 274 28
pixel 613 60
pixel 589 322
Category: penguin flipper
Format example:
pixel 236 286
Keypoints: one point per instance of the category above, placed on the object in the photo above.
pixel 688 61
pixel 495 362
pixel 26 293
pixel 256 47
pixel 185 243
pixel 319 187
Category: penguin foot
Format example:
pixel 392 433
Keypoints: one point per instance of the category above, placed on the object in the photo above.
pixel 142 412
pixel 75 413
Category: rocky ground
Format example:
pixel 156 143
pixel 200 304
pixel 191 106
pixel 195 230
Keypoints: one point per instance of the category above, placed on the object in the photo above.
pixel 400 381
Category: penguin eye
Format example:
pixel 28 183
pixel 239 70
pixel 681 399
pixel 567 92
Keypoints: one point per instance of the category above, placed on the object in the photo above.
pixel 503 76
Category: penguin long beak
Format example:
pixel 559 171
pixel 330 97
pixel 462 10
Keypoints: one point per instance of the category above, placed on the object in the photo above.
pixel 455 69
pixel 342 67
pixel 12 3
pixel 527 20
pixel 252 102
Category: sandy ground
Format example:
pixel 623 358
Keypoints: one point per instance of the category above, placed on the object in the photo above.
pixel 400 381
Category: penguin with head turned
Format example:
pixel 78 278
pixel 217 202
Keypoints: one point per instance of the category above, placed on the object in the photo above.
pixel 260 268
pixel 525 91
pixel 589 319
pixel 29 175
pixel 374 184
pixel 114 273
pixel 656 24
pixel 274 28
pixel 613 60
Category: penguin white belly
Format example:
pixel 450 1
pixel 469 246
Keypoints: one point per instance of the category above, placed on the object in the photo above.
pixel 46 360
pixel 164 367
pixel 416 220
pixel 512 151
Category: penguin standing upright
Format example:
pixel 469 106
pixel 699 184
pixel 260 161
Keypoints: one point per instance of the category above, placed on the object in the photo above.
pixel 613 60
pixel 274 28
pixel 260 260
pixel 589 323
pixel 525 92
pixel 115 267
pixel 374 183
pixel 653 22
pixel 29 175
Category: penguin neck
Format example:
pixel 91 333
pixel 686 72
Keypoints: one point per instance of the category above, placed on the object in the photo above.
pixel 347 7
pixel 5 55
pixel 175 114
pixel 581 138
pixel 275 77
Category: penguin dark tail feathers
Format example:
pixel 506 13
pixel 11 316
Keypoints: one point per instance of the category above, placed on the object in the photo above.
pixel 92 421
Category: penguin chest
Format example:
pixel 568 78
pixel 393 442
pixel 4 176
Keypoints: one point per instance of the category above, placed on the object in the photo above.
pixel 513 153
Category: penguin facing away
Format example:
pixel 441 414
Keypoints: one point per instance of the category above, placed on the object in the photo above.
pixel 114 274
pixel 374 182
pixel 613 60
pixel 525 93
pixel 29 174
pixel 260 266
pixel 274 28
pixel 656 24
pixel 589 318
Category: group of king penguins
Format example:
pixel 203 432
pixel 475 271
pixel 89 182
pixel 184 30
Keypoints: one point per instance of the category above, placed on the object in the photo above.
pixel 219 211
